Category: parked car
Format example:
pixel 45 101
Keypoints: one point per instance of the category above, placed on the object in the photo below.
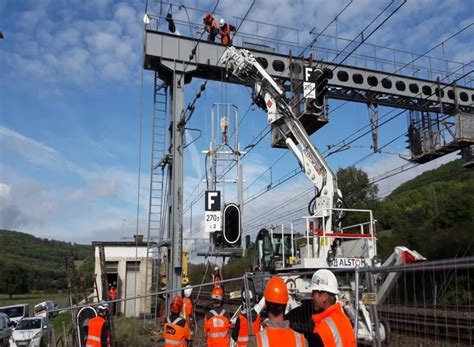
pixel 6 328
pixel 45 308
pixel 16 312
pixel 32 332
pixel 52 306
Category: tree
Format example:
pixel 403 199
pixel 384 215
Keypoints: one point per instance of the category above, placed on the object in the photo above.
pixel 355 186
pixel 86 272
pixel 357 192
pixel 14 280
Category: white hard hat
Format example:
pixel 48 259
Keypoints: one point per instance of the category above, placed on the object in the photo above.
pixel 188 291
pixel 325 281
pixel 102 307
pixel 222 21
pixel 247 294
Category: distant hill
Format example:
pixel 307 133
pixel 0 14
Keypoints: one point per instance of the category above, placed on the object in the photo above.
pixel 42 259
pixel 432 213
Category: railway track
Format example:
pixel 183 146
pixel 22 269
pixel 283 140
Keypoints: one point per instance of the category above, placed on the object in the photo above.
pixel 444 323
pixel 448 324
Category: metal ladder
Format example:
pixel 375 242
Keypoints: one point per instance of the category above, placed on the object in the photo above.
pixel 103 273
pixel 156 207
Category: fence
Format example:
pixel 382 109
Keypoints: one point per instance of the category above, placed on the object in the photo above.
pixel 427 303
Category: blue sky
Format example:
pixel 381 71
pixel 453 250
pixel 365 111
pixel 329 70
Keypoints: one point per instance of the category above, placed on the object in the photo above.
pixel 72 91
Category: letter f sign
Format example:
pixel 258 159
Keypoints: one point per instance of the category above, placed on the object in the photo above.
pixel 213 201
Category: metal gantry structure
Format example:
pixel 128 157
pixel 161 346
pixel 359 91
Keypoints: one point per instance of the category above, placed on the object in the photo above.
pixel 442 104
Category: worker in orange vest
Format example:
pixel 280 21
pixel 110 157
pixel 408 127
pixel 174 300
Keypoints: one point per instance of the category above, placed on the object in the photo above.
pixel 217 321
pixel 224 30
pixel 240 333
pixel 188 308
pixel 210 25
pixel 112 294
pixel 176 331
pixel 98 328
pixel 276 330
pixel 332 326
pixel 188 302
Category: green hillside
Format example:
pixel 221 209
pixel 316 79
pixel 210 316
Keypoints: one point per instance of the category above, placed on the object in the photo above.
pixel 432 213
pixel 32 263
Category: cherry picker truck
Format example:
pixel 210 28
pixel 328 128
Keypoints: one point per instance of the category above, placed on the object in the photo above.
pixel 326 243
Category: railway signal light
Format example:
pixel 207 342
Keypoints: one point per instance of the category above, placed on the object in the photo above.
pixel 321 78
pixel 231 226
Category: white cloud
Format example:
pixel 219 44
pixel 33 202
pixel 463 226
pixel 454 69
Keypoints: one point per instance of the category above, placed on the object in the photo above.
pixel 106 188
pixel 5 192
pixel 106 44
pixel 11 215
pixel 33 150
pixel 115 71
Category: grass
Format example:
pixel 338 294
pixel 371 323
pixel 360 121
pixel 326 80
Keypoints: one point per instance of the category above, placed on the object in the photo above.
pixel 78 263
pixel 128 331
pixel 59 320
pixel 33 299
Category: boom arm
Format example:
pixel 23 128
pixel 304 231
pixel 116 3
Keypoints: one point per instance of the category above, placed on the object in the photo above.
pixel 269 96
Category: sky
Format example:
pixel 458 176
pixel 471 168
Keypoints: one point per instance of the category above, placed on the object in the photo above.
pixel 76 108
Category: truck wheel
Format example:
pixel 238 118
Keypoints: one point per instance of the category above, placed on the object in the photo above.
pixel 384 328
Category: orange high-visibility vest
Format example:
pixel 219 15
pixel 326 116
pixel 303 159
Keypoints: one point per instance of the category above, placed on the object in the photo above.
pixel 175 335
pixel 280 337
pixel 94 332
pixel 187 306
pixel 224 31
pixel 243 338
pixel 113 294
pixel 216 329
pixel 334 328
pixel 211 25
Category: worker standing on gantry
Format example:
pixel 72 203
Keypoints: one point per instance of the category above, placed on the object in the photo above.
pixel 224 30
pixel 210 25
pixel 241 333
pixel 176 331
pixel 276 330
pixel 217 321
pixel 332 326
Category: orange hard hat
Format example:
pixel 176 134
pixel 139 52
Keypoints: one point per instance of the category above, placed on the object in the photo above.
pixel 217 293
pixel 276 291
pixel 177 304
pixel 208 16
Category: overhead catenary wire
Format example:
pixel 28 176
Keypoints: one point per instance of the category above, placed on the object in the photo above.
pixel 374 180
pixel 410 62
pixel 204 175
pixel 391 118
pixel 194 50
pixel 370 34
pixel 403 134
pixel 294 103
pixel 294 173
pixel 400 69
pixel 362 41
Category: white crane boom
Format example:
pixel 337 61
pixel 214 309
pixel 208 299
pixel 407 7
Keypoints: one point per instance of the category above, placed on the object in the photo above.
pixel 269 96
